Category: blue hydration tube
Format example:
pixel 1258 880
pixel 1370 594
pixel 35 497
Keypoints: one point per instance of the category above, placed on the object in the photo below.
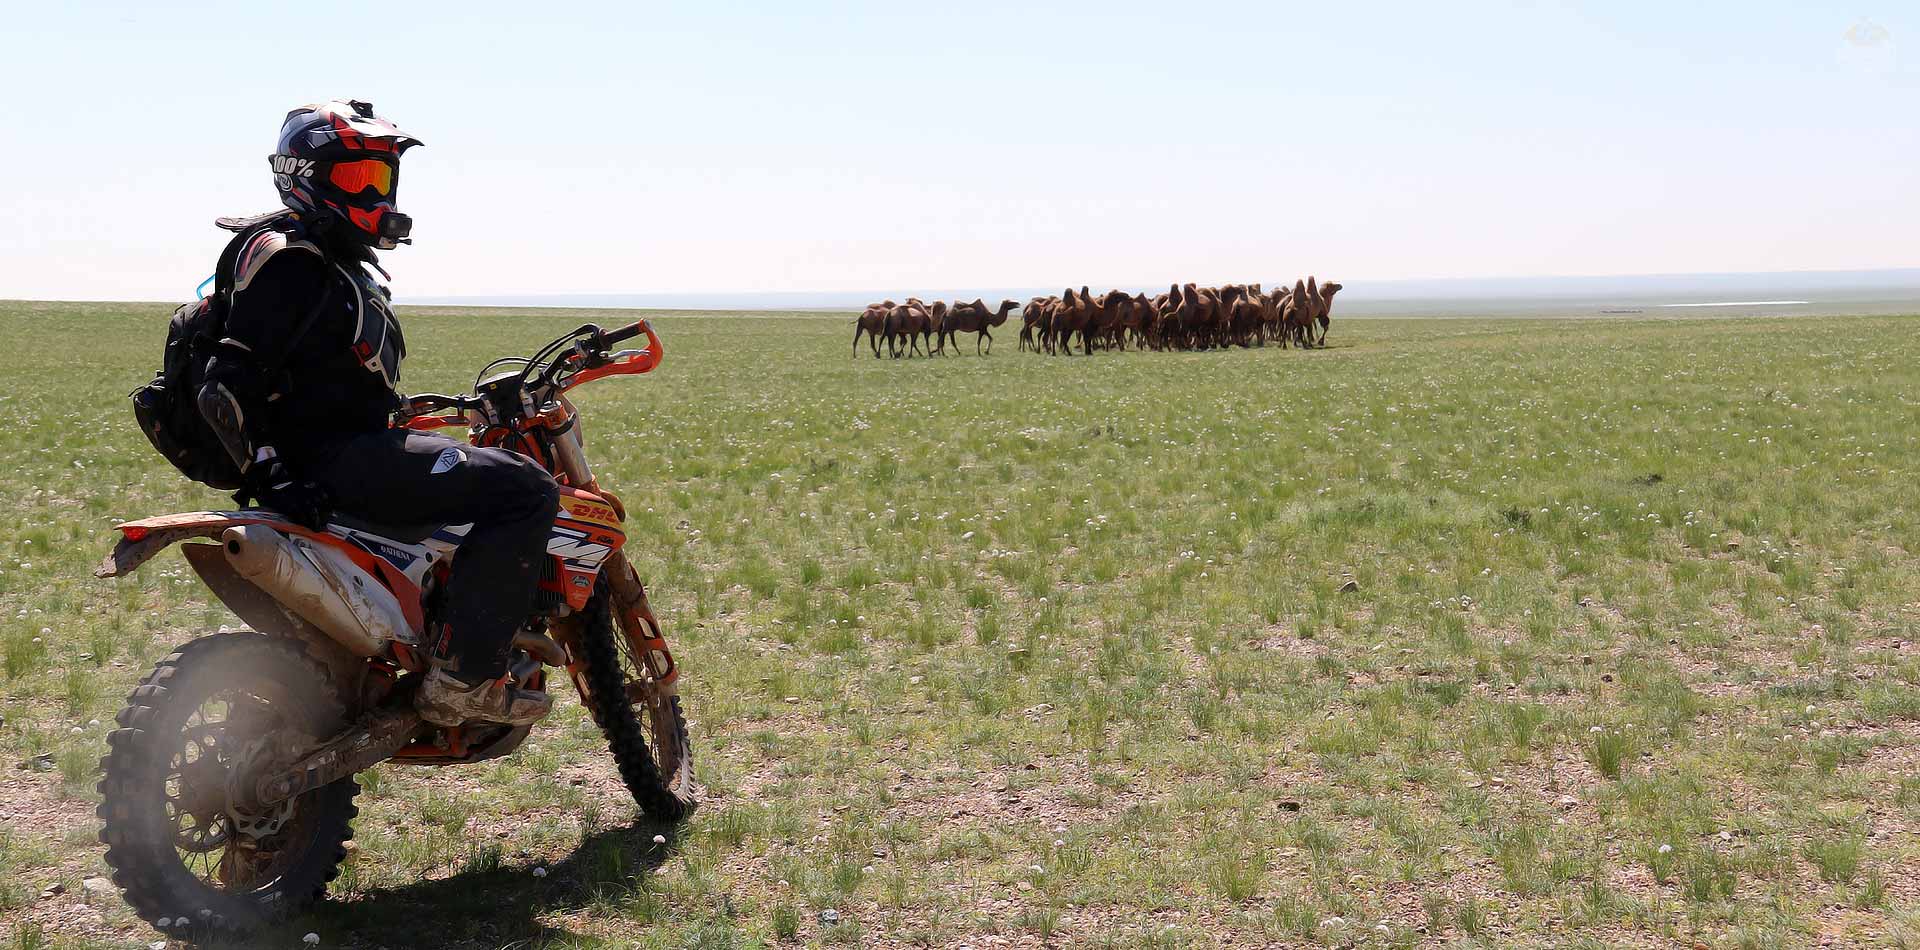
pixel 201 291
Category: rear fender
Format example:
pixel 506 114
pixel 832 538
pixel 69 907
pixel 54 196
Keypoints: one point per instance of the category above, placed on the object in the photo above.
pixel 141 540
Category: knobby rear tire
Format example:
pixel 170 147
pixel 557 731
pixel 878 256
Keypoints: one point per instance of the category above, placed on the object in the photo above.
pixel 139 764
pixel 664 796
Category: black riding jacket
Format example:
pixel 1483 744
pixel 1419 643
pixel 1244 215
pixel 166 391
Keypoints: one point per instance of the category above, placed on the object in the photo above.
pixel 336 380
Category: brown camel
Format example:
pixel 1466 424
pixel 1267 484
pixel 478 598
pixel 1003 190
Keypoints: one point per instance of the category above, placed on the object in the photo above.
pixel 1302 304
pixel 909 323
pixel 1324 314
pixel 1271 313
pixel 1240 315
pixel 1166 325
pixel 1035 320
pixel 975 318
pixel 1313 307
pixel 1146 318
pixel 1111 330
pixel 1132 318
pixel 872 322
pixel 1198 315
pixel 937 319
pixel 1097 319
pixel 1069 318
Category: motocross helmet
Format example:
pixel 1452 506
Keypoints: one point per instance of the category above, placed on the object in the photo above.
pixel 338 161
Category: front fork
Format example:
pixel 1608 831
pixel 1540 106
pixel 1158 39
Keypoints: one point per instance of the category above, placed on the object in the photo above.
pixel 640 626
pixel 631 609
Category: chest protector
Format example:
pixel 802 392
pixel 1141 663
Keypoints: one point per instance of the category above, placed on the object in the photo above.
pixel 377 342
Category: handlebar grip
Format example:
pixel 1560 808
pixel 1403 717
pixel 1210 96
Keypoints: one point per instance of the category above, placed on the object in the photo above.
pixel 623 334
pixel 431 402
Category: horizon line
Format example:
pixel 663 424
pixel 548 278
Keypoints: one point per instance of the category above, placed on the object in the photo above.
pixel 1913 271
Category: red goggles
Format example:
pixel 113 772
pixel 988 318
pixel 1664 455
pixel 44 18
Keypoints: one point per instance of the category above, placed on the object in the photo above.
pixel 357 176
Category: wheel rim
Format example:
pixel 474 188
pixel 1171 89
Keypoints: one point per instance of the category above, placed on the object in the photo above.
pixel 207 839
pixel 654 710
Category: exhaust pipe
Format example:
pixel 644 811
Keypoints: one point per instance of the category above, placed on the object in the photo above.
pixel 321 585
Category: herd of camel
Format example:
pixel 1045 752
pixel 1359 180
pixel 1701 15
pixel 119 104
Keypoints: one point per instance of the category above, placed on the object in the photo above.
pixel 1186 317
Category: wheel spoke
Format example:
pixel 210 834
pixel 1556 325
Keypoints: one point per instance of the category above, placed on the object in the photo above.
pixel 195 790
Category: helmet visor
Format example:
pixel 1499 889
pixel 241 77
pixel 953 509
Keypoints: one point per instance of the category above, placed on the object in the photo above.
pixel 358 176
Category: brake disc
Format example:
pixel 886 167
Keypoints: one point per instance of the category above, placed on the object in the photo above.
pixel 264 820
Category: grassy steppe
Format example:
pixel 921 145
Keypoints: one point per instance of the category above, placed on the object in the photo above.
pixel 1481 633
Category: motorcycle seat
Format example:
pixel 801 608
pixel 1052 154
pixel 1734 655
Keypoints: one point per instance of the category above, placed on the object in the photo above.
pixel 403 533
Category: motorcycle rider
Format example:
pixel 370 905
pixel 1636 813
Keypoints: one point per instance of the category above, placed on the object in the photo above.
pixel 317 433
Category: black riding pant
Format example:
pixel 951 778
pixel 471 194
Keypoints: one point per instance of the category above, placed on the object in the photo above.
pixel 400 477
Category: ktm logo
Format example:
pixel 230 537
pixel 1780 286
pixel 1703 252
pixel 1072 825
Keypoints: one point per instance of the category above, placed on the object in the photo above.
pixel 582 551
pixel 574 546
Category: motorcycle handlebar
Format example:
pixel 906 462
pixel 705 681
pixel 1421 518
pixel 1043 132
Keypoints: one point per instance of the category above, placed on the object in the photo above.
pixel 615 337
pixel 423 403
pixel 438 401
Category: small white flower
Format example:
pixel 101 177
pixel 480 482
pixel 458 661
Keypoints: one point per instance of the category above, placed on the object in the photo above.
pixel 1666 849
pixel 311 940
pixel 539 872
pixel 659 839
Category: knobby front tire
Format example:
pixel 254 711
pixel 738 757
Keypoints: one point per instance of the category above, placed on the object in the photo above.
pixel 648 738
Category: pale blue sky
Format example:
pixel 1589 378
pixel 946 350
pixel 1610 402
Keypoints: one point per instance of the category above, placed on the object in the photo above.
pixel 757 146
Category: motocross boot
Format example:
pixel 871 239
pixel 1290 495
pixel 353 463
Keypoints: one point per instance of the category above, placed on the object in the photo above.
pixel 446 700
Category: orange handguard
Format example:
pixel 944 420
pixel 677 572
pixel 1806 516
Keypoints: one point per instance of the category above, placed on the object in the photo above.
pixel 626 363
pixel 425 423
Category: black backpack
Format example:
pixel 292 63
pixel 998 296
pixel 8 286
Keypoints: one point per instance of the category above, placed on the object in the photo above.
pixel 168 408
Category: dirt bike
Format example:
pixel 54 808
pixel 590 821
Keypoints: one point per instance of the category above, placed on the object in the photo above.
pixel 227 790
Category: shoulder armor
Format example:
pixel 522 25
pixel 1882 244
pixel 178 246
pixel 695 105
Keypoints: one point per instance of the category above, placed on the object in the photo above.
pixel 260 248
pixel 243 222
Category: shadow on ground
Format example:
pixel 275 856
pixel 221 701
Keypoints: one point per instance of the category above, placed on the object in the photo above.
pixel 490 906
